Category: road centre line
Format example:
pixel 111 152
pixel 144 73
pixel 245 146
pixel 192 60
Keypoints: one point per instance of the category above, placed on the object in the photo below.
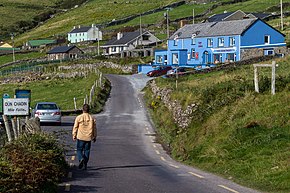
pixel 197 175
pixel 227 188
pixel 175 166
pixel 67 187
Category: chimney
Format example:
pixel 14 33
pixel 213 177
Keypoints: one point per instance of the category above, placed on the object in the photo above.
pixel 183 23
pixel 74 27
pixel 79 26
pixel 93 25
pixel 119 35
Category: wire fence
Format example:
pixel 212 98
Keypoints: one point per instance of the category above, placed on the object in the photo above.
pixel 30 66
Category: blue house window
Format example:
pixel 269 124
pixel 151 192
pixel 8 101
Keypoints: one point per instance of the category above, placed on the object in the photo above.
pixel 159 59
pixel 193 42
pixel 267 39
pixel 175 58
pixel 232 41
pixel 193 53
pixel 209 42
pixel 175 40
pixel 221 42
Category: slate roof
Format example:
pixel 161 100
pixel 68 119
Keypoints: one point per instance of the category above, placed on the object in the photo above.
pixel 60 49
pixel 127 37
pixel 80 30
pixel 222 16
pixel 210 29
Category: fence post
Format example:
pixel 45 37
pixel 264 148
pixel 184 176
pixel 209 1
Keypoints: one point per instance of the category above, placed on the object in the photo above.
pixel 75 103
pixel 273 77
pixel 13 121
pixel 256 78
pixel 7 126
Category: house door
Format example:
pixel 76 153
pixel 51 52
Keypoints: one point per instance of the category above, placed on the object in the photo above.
pixel 206 57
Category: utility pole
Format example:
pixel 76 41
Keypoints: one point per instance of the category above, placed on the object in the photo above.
pixel 140 30
pixel 281 5
pixel 192 16
pixel 167 21
pixel 12 38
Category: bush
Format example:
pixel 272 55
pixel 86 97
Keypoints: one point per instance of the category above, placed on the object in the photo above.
pixel 34 163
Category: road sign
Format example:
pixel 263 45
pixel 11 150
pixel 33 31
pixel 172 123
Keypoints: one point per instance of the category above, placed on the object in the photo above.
pixel 20 93
pixel 16 106
pixel 6 96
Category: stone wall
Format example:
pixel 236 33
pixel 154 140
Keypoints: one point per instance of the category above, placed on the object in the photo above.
pixel 259 52
pixel 181 117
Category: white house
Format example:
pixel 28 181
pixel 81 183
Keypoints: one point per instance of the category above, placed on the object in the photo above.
pixel 82 34
pixel 126 41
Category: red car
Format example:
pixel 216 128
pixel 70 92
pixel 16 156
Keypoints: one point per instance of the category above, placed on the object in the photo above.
pixel 159 72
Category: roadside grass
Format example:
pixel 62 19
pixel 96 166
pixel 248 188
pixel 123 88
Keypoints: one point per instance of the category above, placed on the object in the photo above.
pixel 61 91
pixel 237 133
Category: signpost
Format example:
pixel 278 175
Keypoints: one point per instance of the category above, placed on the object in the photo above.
pixel 18 106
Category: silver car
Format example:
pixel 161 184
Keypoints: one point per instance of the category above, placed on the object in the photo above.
pixel 47 112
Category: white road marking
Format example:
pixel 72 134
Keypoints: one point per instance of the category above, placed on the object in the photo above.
pixel 175 166
pixel 157 152
pixel 73 158
pixel 67 187
pixel 197 175
pixel 162 158
pixel 227 188
pixel 154 145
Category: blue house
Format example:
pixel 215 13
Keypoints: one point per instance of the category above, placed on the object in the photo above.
pixel 205 44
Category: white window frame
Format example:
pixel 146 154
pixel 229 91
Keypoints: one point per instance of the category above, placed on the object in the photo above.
pixel 209 42
pixel 232 41
pixel 221 42
pixel 268 39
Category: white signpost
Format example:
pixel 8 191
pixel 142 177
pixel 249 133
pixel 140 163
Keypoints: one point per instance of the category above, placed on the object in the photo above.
pixel 16 106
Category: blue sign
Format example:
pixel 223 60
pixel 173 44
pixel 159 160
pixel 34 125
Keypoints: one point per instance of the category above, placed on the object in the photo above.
pixel 19 93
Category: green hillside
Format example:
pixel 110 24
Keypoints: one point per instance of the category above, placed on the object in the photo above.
pixel 235 132
pixel 102 12
pixel 17 16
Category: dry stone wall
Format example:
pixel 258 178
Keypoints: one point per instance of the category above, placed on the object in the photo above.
pixel 181 117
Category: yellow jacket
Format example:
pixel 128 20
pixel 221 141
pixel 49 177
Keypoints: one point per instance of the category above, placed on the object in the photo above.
pixel 84 127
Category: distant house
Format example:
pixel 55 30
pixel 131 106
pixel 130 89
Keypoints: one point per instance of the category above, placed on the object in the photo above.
pixel 237 15
pixel 129 41
pixel 5 45
pixel 34 44
pixel 203 44
pixel 82 34
pixel 64 53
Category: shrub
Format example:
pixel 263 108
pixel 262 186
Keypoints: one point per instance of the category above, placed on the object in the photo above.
pixel 34 163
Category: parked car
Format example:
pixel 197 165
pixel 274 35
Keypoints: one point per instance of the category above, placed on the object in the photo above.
pixel 47 112
pixel 159 71
pixel 179 71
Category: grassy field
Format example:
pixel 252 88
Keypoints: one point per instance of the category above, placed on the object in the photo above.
pixel 61 91
pixel 20 56
pixel 235 132
pixel 95 11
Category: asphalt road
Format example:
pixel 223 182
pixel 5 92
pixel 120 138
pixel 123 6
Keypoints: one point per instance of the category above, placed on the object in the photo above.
pixel 125 158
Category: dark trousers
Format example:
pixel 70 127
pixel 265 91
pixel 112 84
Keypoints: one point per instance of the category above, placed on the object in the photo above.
pixel 83 150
